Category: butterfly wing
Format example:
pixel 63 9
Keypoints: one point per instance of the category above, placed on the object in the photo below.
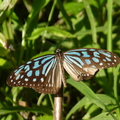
pixel 41 74
pixel 85 63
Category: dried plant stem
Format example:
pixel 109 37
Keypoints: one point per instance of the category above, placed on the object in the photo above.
pixel 58 105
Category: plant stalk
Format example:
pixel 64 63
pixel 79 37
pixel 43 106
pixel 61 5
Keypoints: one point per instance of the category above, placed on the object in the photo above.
pixel 58 105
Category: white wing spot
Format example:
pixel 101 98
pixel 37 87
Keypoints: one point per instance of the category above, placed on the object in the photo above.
pixel 104 60
pixel 114 60
pixel 19 81
pixel 42 79
pixel 93 66
pixel 101 64
pixel 86 69
pixel 11 80
pixel 34 80
pixel 26 79
pixel 87 74
pixel 22 76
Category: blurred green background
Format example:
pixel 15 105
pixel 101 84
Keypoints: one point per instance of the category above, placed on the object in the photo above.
pixel 30 28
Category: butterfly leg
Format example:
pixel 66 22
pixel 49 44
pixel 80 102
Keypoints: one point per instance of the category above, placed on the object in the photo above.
pixel 63 78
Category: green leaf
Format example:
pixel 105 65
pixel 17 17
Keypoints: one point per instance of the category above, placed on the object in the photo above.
pixel 53 31
pixel 45 117
pixel 5 64
pixel 104 116
pixel 41 109
pixel 84 89
pixel 79 105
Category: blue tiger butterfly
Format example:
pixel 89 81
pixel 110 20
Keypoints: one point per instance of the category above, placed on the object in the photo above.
pixel 45 74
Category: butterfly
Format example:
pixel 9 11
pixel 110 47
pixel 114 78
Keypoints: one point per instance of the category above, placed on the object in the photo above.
pixel 45 74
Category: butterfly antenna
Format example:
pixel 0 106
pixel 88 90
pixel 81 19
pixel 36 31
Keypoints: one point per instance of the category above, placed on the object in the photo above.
pixel 65 39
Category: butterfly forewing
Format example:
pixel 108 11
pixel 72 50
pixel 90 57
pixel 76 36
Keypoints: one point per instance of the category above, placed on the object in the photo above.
pixel 40 74
pixel 85 63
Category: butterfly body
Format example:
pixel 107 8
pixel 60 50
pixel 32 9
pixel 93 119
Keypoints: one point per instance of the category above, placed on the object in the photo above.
pixel 45 74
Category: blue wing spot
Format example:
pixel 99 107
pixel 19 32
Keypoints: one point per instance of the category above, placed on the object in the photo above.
pixel 18 76
pixel 108 54
pixel 95 60
pixel 36 65
pixel 73 53
pixel 92 50
pixel 37 73
pixel 29 74
pixel 88 61
pixel 108 59
pixel 96 54
pixel 77 50
pixel 34 79
pixel 47 67
pixel 29 62
pixel 78 59
pixel 85 54
pixel 46 59
pixel 101 51
pixel 22 66
pixel 39 58
pixel 26 79
pixel 18 71
pixel 73 61
pixel 27 68
pixel 50 66
pixel 36 59
pixel 22 76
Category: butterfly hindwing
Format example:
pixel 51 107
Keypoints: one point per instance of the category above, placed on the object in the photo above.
pixel 85 63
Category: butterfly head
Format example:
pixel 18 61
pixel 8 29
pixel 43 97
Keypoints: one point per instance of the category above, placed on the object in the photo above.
pixel 58 51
